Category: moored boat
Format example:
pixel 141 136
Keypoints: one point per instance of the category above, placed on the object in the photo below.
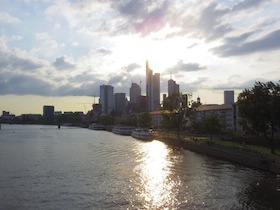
pixel 122 130
pixel 96 126
pixel 142 133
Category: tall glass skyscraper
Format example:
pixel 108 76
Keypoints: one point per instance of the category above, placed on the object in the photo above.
pixel 106 99
pixel 152 89
pixel 134 92
pixel 172 87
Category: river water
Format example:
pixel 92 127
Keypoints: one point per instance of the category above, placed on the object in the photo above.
pixel 42 167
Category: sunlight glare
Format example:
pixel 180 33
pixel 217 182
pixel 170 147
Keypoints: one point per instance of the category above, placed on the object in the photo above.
pixel 155 172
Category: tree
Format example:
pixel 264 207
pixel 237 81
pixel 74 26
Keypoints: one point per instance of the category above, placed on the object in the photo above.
pixel 144 120
pixel 211 124
pixel 174 114
pixel 107 120
pixel 259 107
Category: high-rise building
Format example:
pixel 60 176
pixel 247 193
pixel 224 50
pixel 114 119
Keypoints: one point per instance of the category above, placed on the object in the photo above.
pixel 134 92
pixel 173 88
pixel 228 97
pixel 152 89
pixel 106 99
pixel 141 104
pixel 120 102
pixel 48 113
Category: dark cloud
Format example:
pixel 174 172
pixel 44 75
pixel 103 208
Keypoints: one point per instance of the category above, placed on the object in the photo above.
pixel 28 85
pixel 185 67
pixel 207 22
pixel 144 16
pixel 210 22
pixel 86 77
pixel 86 89
pixel 14 61
pixel 248 4
pixel 24 85
pixel 234 48
pixel 131 67
pixel 239 39
pixel 63 63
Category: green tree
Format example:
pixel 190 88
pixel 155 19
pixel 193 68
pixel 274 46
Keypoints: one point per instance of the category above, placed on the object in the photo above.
pixel 174 114
pixel 144 120
pixel 107 120
pixel 211 125
pixel 131 121
pixel 259 107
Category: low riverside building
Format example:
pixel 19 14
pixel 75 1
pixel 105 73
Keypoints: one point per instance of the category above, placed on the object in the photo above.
pixel 6 116
pixel 228 113
pixel 157 117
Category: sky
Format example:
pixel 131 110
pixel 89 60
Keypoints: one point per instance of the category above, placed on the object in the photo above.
pixel 59 52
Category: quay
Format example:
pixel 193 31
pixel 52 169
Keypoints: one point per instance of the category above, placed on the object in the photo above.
pixel 240 155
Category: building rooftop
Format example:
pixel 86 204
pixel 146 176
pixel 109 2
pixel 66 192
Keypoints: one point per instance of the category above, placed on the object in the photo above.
pixel 210 107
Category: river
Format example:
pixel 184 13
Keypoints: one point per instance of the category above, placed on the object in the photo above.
pixel 42 167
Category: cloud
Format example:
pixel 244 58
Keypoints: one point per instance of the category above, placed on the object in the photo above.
pixel 248 4
pixel 86 77
pixel 103 51
pixel 210 22
pixel 193 86
pixel 7 18
pixel 24 85
pixel 243 47
pixel 131 67
pixel 18 60
pixel 144 16
pixel 85 89
pixel 185 67
pixel 64 63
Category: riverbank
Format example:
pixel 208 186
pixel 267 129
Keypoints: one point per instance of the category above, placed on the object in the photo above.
pixel 239 155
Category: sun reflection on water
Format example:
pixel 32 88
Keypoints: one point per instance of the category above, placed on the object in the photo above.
pixel 158 188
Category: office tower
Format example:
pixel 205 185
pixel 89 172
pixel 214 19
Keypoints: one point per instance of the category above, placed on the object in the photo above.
pixel 48 113
pixel 106 99
pixel 141 104
pixel 228 97
pixel 173 88
pixel 120 102
pixel 152 89
pixel 156 92
pixel 134 92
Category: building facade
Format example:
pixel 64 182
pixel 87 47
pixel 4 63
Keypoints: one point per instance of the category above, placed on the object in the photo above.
pixel 173 88
pixel 134 92
pixel 120 102
pixel 228 113
pixel 48 113
pixel 106 99
pixel 228 97
pixel 152 89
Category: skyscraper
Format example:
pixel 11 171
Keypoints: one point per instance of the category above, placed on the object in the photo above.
pixel 173 88
pixel 152 89
pixel 228 97
pixel 48 113
pixel 106 99
pixel 120 102
pixel 134 92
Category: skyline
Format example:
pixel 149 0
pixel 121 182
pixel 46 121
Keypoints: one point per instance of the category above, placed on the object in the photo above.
pixel 59 52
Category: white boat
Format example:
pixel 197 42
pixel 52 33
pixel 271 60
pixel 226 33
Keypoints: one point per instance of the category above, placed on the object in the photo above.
pixel 142 133
pixel 96 126
pixel 122 130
